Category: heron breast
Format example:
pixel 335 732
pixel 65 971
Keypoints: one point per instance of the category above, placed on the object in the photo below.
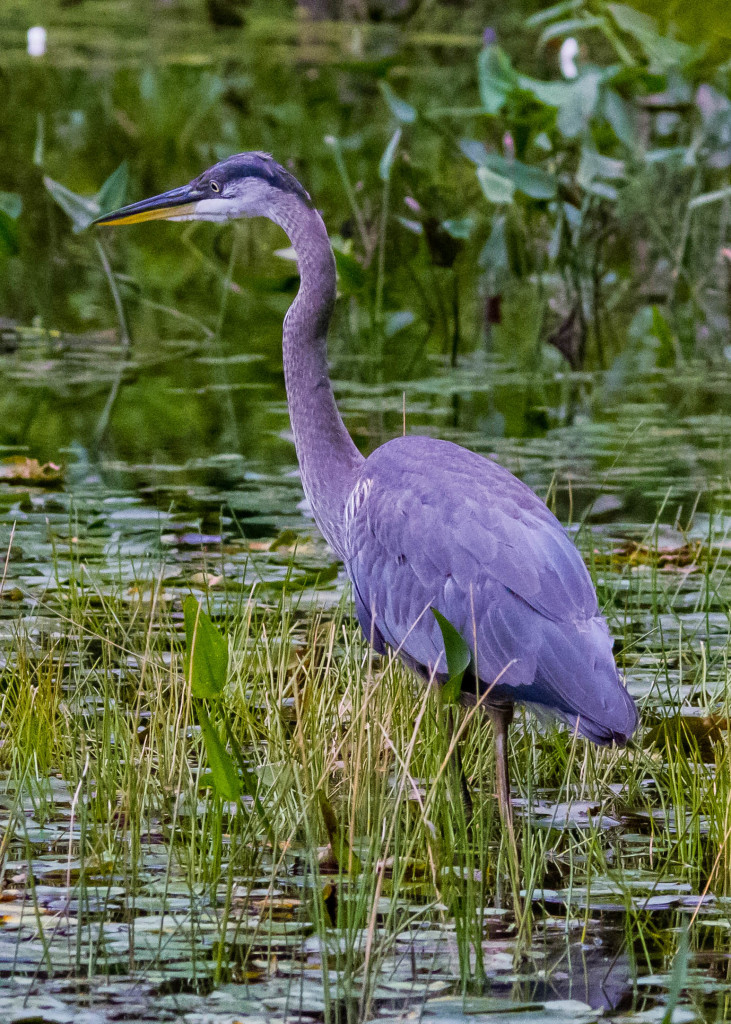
pixel 356 499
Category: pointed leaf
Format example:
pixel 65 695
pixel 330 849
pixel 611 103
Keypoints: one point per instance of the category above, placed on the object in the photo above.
pixel 496 78
pixel 206 657
pixel 555 11
pixel 81 209
pixel 400 109
pixel 389 155
pixel 11 203
pixel 226 779
pixel 569 26
pixel 8 235
pixel 458 657
pixel 113 192
pixel 496 188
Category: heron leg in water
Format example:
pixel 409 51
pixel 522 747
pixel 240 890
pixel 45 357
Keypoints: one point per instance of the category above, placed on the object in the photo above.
pixel 501 718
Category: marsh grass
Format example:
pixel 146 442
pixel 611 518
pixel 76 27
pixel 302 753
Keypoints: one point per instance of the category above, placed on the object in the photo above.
pixel 108 795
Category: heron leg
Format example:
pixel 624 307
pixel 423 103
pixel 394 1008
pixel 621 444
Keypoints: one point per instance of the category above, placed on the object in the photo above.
pixel 501 718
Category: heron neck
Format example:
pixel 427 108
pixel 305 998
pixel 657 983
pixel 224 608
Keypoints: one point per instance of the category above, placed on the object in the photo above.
pixel 328 458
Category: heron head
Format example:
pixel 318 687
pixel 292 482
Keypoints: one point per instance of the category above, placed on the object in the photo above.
pixel 244 185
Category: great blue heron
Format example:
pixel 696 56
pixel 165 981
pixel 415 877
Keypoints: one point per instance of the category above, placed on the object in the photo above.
pixel 423 524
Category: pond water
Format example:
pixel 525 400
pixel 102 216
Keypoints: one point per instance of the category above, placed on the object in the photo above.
pixel 168 462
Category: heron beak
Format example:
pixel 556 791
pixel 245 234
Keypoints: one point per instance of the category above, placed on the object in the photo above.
pixel 178 202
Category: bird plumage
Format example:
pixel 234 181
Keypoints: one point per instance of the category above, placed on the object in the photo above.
pixel 433 525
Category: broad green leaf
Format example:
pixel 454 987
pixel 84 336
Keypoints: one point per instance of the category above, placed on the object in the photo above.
pixel 580 104
pixel 81 209
pixel 400 109
pixel 568 27
pixel 113 192
pixel 633 21
pixel 496 78
pixel 595 171
pixel 496 188
pixel 458 657
pixel 494 256
pixel 576 101
pixel 460 228
pixel 553 94
pixel 554 11
pixel 531 181
pixel 389 155
pixel 11 204
pixel 8 235
pixel 662 51
pixel 206 657
pixel 226 779
pixel 396 322
pixel 474 150
pixel 621 117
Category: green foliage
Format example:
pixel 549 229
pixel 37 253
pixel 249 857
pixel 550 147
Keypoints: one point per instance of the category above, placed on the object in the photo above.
pixel 83 210
pixel 206 658
pixel 11 206
pixel 226 779
pixel 206 668
pixel 457 655
pixel 584 172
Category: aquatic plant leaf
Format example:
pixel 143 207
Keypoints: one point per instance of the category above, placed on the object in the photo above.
pixel 662 51
pixel 554 11
pixel 8 235
pixel 206 657
pixel 580 104
pixel 495 187
pixel 113 192
pixel 496 78
pixel 569 26
pixel 11 204
pixel 389 155
pixel 460 228
pixel 398 321
pixel 81 209
pixel 532 181
pixel 678 976
pixel 226 779
pixel 458 657
pixel 621 117
pixel 400 109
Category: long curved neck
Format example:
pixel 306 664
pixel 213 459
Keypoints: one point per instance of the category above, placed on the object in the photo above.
pixel 328 458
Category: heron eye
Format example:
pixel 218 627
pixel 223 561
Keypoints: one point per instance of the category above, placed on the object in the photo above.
pixel 215 187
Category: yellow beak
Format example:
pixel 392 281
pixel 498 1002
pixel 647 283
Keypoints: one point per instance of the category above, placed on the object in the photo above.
pixel 178 202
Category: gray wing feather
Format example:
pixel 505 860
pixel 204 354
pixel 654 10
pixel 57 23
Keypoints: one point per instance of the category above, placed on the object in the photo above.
pixel 439 526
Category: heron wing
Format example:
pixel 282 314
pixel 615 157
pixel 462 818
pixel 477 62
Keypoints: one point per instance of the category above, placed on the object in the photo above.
pixel 430 524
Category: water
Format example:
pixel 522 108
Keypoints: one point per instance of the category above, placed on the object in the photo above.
pixel 173 461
